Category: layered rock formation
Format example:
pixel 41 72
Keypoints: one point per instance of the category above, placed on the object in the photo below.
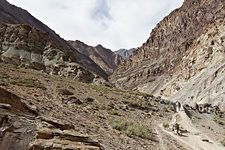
pixel 103 57
pixel 22 128
pixel 11 14
pixel 180 57
pixel 29 47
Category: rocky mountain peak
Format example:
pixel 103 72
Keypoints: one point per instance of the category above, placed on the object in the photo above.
pixel 125 53
pixel 99 46
pixel 102 56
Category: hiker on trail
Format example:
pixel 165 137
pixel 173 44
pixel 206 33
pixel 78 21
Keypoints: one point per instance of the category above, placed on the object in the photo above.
pixel 177 128
pixel 178 105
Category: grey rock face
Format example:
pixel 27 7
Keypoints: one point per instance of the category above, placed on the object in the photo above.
pixel 181 56
pixel 29 47
pixel 125 53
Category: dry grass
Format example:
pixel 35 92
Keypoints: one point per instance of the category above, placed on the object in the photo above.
pixel 138 104
pixel 5 80
pixel 132 129
pixel 220 120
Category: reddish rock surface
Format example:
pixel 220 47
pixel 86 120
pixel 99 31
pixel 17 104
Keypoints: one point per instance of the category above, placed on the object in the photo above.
pixel 102 56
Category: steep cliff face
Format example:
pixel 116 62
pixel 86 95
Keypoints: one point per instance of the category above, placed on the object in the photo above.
pixel 103 57
pixel 168 47
pixel 11 14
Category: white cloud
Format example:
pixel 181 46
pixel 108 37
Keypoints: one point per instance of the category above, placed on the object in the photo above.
pixel 113 23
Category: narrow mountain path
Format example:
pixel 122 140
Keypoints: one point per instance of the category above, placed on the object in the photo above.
pixel 161 142
pixel 193 138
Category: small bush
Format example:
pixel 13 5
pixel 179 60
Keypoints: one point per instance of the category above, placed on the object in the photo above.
pixel 89 100
pixel 165 125
pixel 223 142
pixel 65 92
pixel 138 104
pixel 120 125
pixel 132 129
pixel 139 130
pixel 114 112
pixel 220 120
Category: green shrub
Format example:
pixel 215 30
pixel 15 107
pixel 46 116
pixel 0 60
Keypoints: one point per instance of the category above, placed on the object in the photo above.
pixel 132 129
pixel 220 120
pixel 114 112
pixel 89 100
pixel 138 104
pixel 165 125
pixel 139 130
pixel 120 125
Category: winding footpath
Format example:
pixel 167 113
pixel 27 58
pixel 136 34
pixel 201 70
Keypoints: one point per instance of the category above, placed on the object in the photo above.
pixel 194 138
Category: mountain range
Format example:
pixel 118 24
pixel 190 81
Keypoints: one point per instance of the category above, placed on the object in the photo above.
pixel 103 57
pixel 168 94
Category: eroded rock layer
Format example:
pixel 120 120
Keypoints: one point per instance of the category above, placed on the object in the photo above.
pixel 10 14
pixel 21 128
pixel 29 47
pixel 156 65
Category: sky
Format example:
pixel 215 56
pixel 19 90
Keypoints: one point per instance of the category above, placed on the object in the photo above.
pixel 115 24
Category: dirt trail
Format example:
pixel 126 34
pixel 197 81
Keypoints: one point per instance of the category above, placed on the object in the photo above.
pixel 193 138
pixel 161 143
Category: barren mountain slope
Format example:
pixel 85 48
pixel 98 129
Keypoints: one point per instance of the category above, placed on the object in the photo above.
pixel 103 57
pixel 67 114
pixel 14 15
pixel 153 65
pixel 41 111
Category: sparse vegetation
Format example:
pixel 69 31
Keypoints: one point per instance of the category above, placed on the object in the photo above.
pixel 89 100
pixel 65 92
pixel 166 125
pixel 132 129
pixel 138 104
pixel 223 142
pixel 114 112
pixel 220 120
pixel 6 79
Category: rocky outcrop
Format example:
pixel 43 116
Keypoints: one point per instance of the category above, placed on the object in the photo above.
pixel 103 57
pixel 11 14
pixel 29 47
pixel 125 53
pixel 16 122
pixel 22 129
pixel 180 57
pixel 15 15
